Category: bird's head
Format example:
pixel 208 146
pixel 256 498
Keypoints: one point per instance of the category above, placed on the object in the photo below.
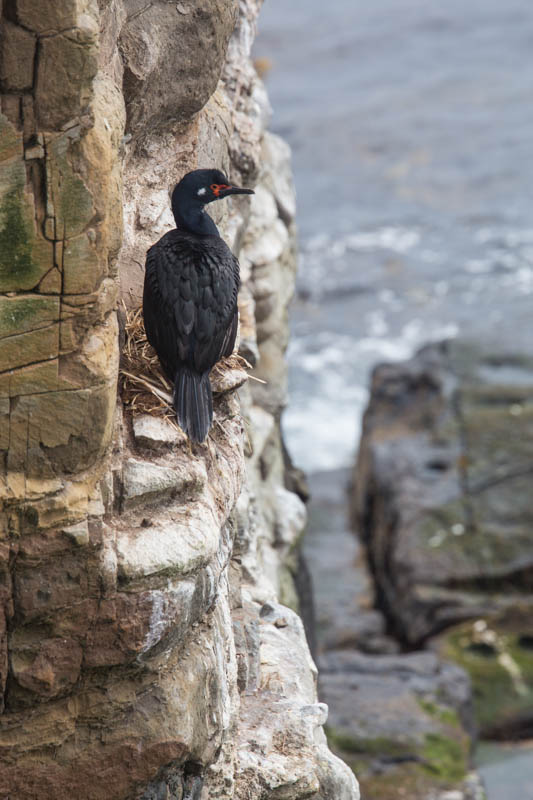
pixel 206 185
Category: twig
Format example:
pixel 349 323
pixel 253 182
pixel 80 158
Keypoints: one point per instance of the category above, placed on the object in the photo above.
pixel 141 11
pixel 162 395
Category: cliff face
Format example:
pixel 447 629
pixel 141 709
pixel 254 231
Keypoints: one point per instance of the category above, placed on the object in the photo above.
pixel 143 651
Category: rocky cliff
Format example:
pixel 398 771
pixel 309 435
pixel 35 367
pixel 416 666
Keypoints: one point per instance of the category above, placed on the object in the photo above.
pixel 143 649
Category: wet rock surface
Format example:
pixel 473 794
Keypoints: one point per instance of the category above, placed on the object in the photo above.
pixel 440 490
pixel 398 720
pixel 441 497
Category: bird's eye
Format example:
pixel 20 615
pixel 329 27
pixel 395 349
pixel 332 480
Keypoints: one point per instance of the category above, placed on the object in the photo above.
pixel 216 188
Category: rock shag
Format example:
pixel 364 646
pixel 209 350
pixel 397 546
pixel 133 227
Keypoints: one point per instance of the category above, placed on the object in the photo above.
pixel 190 298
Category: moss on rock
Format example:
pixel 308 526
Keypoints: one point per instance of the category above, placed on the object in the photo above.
pixel 444 757
pixel 502 695
pixel 15 238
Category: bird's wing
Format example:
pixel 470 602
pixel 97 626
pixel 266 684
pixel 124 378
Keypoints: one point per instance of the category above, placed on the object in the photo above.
pixel 165 290
pixel 216 311
pixel 190 302
pixel 231 335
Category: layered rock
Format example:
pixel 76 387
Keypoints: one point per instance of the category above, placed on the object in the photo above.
pixel 441 496
pixel 142 649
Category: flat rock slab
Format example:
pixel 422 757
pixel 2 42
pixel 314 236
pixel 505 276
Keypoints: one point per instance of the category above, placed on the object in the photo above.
pixel 144 482
pixel 156 433
pixel 400 721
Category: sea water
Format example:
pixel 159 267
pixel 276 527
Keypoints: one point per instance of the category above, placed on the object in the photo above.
pixel 411 125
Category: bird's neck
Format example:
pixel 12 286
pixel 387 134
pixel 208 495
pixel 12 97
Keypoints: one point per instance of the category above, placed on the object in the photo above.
pixel 191 217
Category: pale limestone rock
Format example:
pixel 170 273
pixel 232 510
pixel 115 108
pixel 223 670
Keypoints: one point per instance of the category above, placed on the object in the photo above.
pixel 282 749
pixel 277 154
pixel 263 210
pixel 156 432
pixel 144 482
pixel 270 245
pixel 179 547
pixel 79 533
pixel 291 516
pixel 261 427
pixel 228 381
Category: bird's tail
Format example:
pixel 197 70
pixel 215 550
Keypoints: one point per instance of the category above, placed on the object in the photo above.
pixel 193 402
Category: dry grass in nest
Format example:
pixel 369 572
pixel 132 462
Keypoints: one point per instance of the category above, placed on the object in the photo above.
pixel 144 387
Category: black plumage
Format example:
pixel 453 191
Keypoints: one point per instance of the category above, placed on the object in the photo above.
pixel 190 298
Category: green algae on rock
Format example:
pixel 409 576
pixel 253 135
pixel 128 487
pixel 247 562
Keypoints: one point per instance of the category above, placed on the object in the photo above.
pixel 498 655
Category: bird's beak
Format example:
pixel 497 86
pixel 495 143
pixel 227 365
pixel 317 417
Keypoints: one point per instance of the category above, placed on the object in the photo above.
pixel 235 190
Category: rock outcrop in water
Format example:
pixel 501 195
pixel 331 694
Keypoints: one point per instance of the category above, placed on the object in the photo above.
pixel 442 500
pixel 143 650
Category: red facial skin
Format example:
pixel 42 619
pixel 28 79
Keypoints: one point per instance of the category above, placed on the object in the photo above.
pixel 216 188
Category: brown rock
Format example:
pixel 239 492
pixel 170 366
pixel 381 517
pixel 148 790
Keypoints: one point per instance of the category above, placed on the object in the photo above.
pixel 130 625
pixel 164 83
pixel 47 17
pixel 67 66
pixel 17 51
pixel 26 257
pixel 27 313
pixel 49 586
pixel 31 379
pixel 72 201
pixel 27 348
pixel 49 667
pixel 10 140
pixel 35 548
pixel 82 270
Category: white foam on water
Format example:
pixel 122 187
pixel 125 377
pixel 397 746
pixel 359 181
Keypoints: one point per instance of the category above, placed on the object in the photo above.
pixel 478 265
pixel 388 237
pixel 395 238
pixel 323 433
pixel 322 426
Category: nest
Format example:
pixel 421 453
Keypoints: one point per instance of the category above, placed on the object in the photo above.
pixel 144 387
